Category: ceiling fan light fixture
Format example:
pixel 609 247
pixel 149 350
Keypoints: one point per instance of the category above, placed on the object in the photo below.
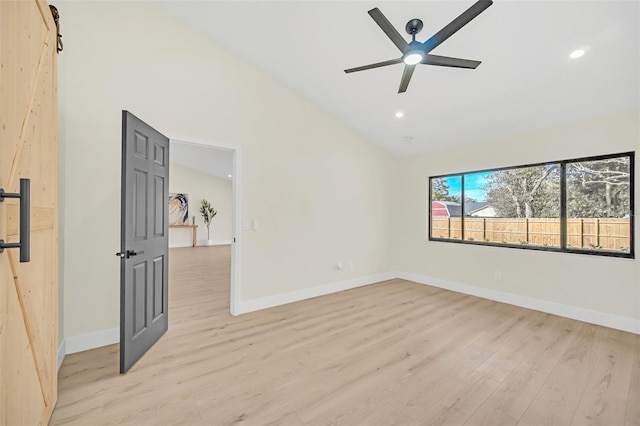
pixel 413 58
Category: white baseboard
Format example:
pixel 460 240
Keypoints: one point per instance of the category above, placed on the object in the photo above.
pixel 110 336
pixel 203 243
pixel 180 245
pixel 84 342
pixel 594 317
pixel 62 352
pixel 308 293
pixel 200 243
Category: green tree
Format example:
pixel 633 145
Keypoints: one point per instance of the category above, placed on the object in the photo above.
pixel 599 188
pixel 440 191
pixel 525 192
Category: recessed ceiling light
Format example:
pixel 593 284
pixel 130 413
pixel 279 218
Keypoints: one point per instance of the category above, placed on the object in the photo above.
pixel 577 53
pixel 229 176
pixel 399 114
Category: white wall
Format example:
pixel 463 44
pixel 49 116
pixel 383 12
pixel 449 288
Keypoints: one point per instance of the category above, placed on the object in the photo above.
pixel 600 284
pixel 201 186
pixel 319 191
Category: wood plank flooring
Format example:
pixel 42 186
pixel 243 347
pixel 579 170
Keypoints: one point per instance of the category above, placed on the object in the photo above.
pixel 393 353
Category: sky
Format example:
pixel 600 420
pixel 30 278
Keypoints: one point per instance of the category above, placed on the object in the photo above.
pixel 474 184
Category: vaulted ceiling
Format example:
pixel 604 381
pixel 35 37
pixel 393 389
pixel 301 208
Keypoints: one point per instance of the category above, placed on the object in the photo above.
pixel 526 80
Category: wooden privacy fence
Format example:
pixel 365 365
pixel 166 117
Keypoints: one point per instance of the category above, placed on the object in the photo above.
pixel 594 233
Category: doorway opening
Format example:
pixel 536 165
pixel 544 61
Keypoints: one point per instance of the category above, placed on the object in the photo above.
pixel 222 163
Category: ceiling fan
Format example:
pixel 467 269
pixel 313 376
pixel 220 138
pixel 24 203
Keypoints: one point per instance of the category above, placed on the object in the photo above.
pixel 415 53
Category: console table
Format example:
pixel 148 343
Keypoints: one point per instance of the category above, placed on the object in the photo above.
pixel 194 227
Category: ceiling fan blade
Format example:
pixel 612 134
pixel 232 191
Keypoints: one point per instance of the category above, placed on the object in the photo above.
pixel 445 61
pixel 377 65
pixel 389 29
pixel 406 77
pixel 462 20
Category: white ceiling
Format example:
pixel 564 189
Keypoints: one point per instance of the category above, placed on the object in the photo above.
pixel 212 161
pixel 526 80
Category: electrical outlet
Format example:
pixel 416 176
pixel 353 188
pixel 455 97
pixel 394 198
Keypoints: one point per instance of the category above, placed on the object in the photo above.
pixel 497 275
pixel 339 266
pixel 352 265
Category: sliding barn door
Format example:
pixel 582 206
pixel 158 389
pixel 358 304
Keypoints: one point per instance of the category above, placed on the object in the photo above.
pixel 28 150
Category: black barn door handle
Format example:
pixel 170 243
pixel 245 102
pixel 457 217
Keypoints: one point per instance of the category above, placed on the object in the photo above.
pixel 25 220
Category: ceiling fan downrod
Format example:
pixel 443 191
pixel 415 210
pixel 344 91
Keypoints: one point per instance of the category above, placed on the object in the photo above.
pixel 413 27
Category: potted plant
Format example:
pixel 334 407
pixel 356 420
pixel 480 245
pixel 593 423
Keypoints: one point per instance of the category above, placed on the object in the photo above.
pixel 208 213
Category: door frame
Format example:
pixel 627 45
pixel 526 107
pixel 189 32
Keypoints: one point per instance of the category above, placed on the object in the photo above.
pixel 236 205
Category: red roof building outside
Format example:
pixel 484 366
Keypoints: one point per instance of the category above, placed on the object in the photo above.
pixel 439 209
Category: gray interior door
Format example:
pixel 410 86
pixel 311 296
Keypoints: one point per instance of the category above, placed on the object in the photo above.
pixel 144 239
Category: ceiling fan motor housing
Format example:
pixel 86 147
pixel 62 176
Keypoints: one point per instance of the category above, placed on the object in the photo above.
pixel 413 27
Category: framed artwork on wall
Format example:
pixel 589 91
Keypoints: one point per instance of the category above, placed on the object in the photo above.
pixel 178 209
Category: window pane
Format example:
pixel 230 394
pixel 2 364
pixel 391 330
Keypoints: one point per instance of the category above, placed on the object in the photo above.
pixel 515 206
pixel 446 196
pixel 599 204
pixel 476 206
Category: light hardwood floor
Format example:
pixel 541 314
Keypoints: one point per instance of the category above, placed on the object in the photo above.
pixel 394 353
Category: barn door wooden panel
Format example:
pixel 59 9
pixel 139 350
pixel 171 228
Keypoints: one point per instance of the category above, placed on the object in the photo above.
pixel 28 149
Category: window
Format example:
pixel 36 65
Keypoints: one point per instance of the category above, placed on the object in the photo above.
pixel 580 206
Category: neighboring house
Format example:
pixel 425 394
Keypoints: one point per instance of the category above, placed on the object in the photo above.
pixel 480 209
pixel 453 209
